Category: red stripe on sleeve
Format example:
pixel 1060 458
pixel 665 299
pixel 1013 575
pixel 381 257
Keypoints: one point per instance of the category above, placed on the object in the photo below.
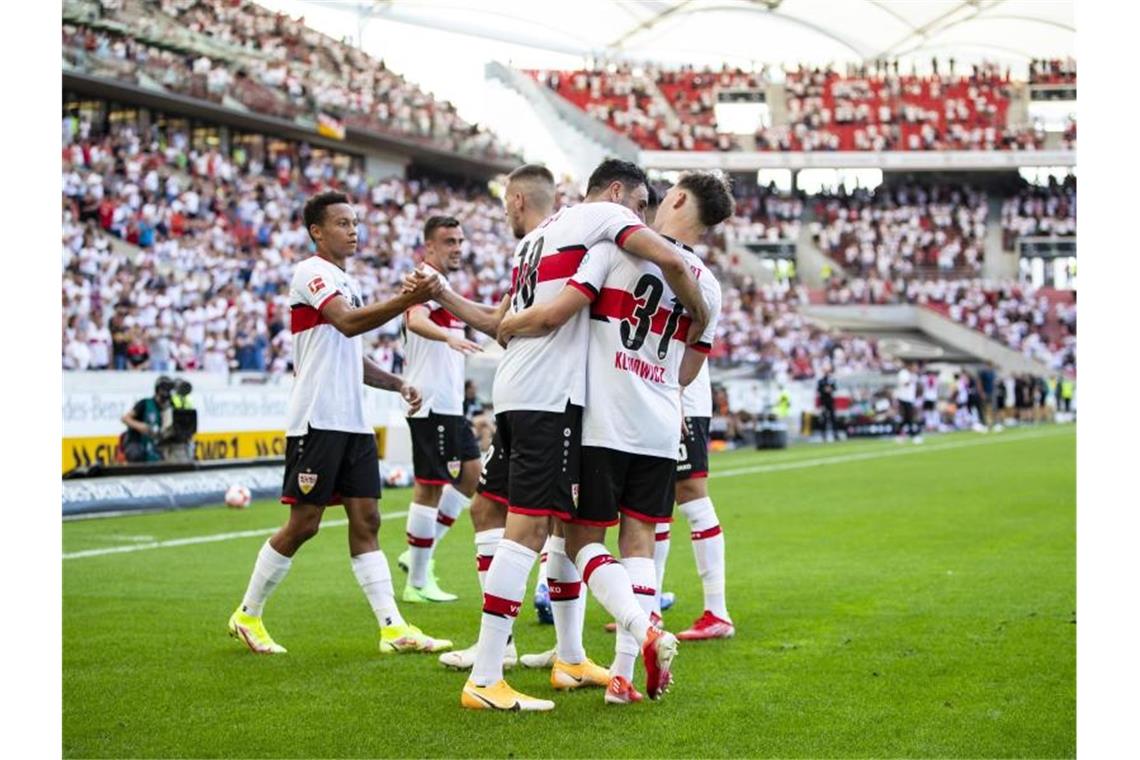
pixel 625 232
pixel 304 317
pixel 325 301
pixel 703 348
pixel 585 288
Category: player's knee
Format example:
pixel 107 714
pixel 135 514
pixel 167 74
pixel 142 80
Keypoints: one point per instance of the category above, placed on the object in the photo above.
pixel 691 489
pixel 469 478
pixel 426 494
pixel 367 524
pixel 636 538
pixel 487 514
pixel 303 530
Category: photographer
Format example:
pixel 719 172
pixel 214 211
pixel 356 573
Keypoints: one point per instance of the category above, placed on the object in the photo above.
pixel 176 443
pixel 144 424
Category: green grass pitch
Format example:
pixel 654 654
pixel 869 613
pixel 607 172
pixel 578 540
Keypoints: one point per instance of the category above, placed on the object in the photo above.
pixel 890 601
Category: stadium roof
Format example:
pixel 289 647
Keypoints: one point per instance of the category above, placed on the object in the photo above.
pixel 757 31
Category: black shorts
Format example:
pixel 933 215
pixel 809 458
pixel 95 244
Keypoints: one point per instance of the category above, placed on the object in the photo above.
pixel 693 458
pixel 441 443
pixel 928 404
pixel 533 464
pixel 614 481
pixel 324 467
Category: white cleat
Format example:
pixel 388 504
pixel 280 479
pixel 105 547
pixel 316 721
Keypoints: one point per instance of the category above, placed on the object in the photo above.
pixel 540 660
pixel 918 439
pixel 464 659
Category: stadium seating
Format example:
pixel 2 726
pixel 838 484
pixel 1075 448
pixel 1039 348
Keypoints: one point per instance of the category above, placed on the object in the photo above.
pixel 1040 211
pixel 906 231
pixel 214 49
pixel 863 109
pixel 1054 71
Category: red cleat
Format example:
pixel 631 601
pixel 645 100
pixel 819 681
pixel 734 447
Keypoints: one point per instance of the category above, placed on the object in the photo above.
pixel 708 626
pixel 621 692
pixel 658 652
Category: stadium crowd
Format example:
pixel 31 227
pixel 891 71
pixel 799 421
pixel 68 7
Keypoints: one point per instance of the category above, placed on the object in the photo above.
pixel 903 231
pixel 1040 211
pixel 211 240
pixel 214 49
pixel 1053 71
pixel 867 107
pixel 656 108
pixel 873 107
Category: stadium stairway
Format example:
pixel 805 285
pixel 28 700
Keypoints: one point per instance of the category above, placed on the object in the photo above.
pixel 672 120
pixel 810 258
pixel 997 263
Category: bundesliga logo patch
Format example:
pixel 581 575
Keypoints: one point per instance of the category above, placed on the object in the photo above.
pixel 306 481
pixel 316 285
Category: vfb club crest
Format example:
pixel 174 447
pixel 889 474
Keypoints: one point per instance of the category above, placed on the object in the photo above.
pixel 453 468
pixel 306 481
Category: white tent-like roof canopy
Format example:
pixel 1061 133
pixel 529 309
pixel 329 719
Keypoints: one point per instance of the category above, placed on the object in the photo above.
pixel 755 32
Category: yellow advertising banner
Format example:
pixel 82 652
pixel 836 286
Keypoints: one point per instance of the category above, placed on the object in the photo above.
pixel 245 444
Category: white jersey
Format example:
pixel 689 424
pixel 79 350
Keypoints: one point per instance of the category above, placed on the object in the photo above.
pixel 545 373
pixel 328 368
pixel 930 387
pixel 637 340
pixel 905 389
pixel 433 367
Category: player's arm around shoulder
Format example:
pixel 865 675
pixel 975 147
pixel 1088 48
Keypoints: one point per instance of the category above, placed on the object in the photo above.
pixel 699 342
pixel 544 318
pixel 647 244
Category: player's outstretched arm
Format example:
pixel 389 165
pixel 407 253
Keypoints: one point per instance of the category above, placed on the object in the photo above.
pixel 374 377
pixel 544 318
pixel 352 322
pixel 420 323
pixel 483 318
pixel 648 245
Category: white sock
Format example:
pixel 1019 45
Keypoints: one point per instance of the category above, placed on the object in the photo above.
pixel 421 537
pixel 502 599
pixel 451 503
pixel 375 580
pixel 268 571
pixel 610 582
pixel 566 602
pixel 642 571
pixel 708 549
pixel 486 541
pixel 544 563
pixel 660 556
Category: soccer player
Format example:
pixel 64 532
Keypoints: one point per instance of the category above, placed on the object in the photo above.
pixel 692 496
pixel 445 454
pixel 637 363
pixel 528 199
pixel 538 396
pixel 905 392
pixel 330 453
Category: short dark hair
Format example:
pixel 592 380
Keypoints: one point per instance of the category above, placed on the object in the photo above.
pixel 713 193
pixel 532 171
pixel 315 207
pixel 615 170
pixel 435 222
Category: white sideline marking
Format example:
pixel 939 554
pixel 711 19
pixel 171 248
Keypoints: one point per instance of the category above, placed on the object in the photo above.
pixel 910 448
pixel 201 539
pixel 904 449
